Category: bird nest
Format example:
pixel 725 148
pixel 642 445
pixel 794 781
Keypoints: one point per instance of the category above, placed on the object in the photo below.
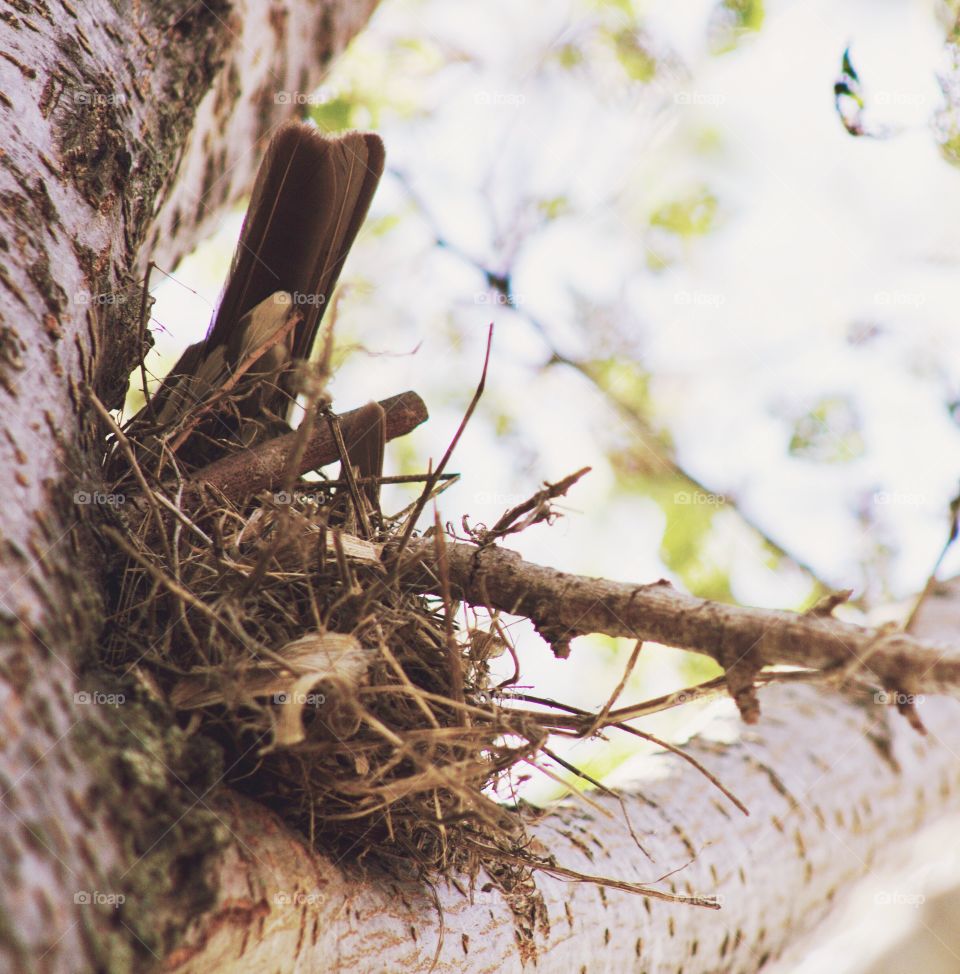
pixel 344 683
pixel 345 698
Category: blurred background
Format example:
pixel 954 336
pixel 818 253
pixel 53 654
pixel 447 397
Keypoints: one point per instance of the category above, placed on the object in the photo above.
pixel 732 300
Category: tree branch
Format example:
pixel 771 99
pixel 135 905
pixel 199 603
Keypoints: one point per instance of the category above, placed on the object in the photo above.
pixel 819 816
pixel 564 606
pixel 825 805
pixel 101 100
pixel 265 467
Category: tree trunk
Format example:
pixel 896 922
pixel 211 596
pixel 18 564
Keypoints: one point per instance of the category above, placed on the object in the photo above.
pixel 122 125
pixel 126 134
pixel 831 785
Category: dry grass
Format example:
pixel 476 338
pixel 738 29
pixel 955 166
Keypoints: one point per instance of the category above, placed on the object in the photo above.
pixel 343 697
pixel 355 705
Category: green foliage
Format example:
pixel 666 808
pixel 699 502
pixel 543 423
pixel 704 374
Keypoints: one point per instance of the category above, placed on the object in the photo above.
pixel 372 81
pixel 634 55
pixel 504 422
pixel 335 115
pixel 569 56
pixel 690 216
pixel 732 20
pixel 553 207
pixel 677 222
pixel 381 226
pixel 747 14
pixel 685 543
pixel 829 432
pixel 690 513
pixel 697 668
pixel 708 140
pixel 625 380
pixel 950 143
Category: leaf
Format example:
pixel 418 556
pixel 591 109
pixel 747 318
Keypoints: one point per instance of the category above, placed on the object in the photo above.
pixel 318 657
pixel 731 21
pixel 634 55
pixel 829 432
pixel 690 216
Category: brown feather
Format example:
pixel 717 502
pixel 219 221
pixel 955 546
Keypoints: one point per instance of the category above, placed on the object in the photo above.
pixel 311 195
pixel 309 199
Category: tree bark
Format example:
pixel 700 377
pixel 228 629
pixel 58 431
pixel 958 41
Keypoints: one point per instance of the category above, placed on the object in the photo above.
pixel 830 786
pixel 831 781
pixel 126 132
pixel 121 125
pixel 564 606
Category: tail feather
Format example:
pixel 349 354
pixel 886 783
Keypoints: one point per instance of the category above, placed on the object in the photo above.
pixel 309 200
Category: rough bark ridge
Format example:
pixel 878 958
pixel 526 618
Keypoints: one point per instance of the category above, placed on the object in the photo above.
pixel 824 805
pixel 103 107
pixel 131 125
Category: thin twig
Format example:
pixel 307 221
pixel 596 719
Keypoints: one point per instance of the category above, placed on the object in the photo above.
pixel 608 706
pixel 572 875
pixel 358 505
pixel 141 339
pixel 537 507
pixel 127 448
pixel 435 475
pixel 454 661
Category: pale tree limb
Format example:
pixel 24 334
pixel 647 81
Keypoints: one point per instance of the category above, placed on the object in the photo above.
pixel 831 784
pixel 104 106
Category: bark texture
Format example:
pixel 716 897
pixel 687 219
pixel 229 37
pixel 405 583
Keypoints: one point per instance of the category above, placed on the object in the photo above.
pixel 565 606
pixel 830 785
pixel 121 124
pixel 831 782
pixel 127 128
